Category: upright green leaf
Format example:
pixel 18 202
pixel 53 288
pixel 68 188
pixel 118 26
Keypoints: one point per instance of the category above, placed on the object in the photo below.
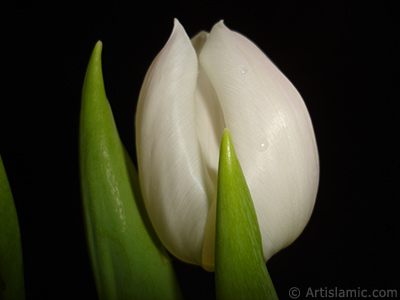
pixel 11 265
pixel 240 271
pixel 128 261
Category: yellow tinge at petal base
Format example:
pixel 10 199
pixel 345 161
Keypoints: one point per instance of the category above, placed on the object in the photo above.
pixel 127 259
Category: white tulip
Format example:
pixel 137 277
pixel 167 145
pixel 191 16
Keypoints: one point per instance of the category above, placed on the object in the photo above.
pixel 192 91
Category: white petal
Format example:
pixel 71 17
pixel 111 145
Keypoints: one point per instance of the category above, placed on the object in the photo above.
pixel 272 133
pixel 210 122
pixel 174 180
pixel 210 127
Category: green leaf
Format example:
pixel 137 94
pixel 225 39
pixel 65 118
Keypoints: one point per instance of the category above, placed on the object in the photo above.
pixel 11 264
pixel 128 260
pixel 240 271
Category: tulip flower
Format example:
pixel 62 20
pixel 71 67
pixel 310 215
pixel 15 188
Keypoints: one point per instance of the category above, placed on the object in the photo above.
pixel 194 89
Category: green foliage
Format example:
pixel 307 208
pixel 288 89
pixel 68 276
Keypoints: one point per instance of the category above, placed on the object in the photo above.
pixel 127 259
pixel 11 264
pixel 240 271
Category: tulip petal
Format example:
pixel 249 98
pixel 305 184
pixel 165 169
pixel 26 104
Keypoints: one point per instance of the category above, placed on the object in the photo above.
pixel 11 265
pixel 273 134
pixel 209 132
pixel 175 183
pixel 211 123
pixel 240 271
pixel 127 259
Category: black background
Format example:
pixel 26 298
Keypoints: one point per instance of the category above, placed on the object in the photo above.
pixel 340 55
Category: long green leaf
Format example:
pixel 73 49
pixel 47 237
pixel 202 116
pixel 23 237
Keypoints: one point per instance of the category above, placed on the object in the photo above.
pixel 127 259
pixel 11 264
pixel 240 271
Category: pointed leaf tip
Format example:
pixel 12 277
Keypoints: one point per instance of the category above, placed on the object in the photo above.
pixel 227 145
pixel 240 271
pixel 97 51
pixel 93 91
pixel 126 260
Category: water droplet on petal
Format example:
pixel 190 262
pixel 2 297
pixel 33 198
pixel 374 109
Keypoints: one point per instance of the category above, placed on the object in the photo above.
pixel 263 145
pixel 243 70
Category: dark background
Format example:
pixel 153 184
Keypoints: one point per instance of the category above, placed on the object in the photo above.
pixel 340 55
